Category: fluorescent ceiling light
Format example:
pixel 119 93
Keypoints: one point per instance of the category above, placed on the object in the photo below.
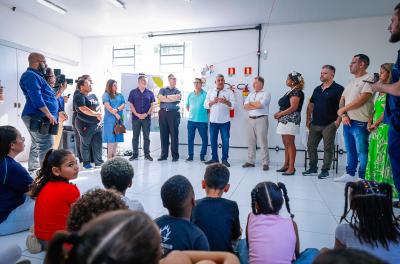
pixel 53 6
pixel 117 3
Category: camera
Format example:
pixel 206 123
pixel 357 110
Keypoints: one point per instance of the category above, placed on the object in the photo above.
pixel 60 79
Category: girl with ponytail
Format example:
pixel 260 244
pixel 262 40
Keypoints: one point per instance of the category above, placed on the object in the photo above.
pixel 272 238
pixel 54 196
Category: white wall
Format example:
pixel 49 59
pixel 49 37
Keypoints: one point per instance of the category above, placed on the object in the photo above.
pixel 301 47
pixel 29 31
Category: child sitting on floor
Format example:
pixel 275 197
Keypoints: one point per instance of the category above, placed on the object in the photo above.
pixel 177 232
pixel 54 197
pixel 272 238
pixel 117 174
pixel 216 216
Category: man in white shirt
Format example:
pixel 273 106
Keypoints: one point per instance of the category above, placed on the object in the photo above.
pixel 257 106
pixel 219 101
pixel 356 107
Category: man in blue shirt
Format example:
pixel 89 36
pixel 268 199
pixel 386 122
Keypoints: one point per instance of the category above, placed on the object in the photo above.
pixel 41 102
pixel 169 118
pixel 392 108
pixel 141 102
pixel 198 119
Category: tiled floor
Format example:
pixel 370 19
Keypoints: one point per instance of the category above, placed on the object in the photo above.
pixel 317 204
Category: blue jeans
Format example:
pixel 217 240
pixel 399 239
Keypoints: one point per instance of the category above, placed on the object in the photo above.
pixel 20 219
pixel 356 141
pixel 305 257
pixel 202 128
pixel 40 144
pixel 224 130
pixel 394 154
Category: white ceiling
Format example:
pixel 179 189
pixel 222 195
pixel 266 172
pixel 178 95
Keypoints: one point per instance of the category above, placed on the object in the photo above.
pixel 87 18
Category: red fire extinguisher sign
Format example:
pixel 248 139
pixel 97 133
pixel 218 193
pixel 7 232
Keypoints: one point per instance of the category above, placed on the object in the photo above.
pixel 231 71
pixel 248 71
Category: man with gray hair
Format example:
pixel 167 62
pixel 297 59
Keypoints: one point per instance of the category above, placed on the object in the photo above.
pixel 257 106
pixel 117 174
pixel 220 101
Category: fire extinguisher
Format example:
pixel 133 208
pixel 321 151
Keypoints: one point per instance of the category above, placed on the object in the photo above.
pixel 246 91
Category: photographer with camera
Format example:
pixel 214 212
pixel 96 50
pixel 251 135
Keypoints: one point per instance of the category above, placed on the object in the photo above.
pixel 88 123
pixel 58 88
pixel 40 111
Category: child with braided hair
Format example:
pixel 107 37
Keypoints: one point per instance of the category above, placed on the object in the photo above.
pixel 370 222
pixel 272 238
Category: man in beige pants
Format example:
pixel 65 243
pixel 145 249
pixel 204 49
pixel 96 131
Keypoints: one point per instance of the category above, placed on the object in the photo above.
pixel 257 106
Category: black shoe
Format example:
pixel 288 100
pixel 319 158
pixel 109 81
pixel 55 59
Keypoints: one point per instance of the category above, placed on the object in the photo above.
pixel 310 172
pixel 148 157
pixel 161 159
pixel 283 169
pixel 189 159
pixel 323 175
pixel 202 159
pixel 248 165
pixel 226 163
pixel 133 157
pixel 210 162
pixel 175 159
pixel 265 167
pixel 289 173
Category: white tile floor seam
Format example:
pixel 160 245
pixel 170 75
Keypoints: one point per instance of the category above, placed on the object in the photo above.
pixel 316 204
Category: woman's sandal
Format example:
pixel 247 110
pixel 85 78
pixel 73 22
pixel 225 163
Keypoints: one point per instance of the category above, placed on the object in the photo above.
pixel 283 169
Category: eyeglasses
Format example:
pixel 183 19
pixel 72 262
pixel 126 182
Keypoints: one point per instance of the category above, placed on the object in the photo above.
pixel 174 79
pixel 196 82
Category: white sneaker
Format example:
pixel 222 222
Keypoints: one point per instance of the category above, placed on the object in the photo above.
pixel 346 178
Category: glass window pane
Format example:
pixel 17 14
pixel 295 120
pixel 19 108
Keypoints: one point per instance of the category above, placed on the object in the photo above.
pixel 172 50
pixel 171 59
pixel 124 53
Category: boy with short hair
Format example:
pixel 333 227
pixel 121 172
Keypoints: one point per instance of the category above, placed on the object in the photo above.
pixel 177 232
pixel 117 173
pixel 216 216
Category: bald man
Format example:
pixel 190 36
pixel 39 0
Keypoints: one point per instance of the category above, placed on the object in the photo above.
pixel 41 104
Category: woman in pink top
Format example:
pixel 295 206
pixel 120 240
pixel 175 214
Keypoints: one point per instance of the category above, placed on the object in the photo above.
pixel 271 238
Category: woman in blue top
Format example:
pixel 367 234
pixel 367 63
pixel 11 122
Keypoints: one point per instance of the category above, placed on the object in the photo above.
pixel 16 207
pixel 114 104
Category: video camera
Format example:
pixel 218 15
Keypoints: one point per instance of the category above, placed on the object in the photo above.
pixel 60 79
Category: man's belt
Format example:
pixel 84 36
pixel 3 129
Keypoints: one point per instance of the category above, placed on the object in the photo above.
pixel 255 117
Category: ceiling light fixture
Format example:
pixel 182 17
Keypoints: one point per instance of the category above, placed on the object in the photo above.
pixel 117 3
pixel 53 6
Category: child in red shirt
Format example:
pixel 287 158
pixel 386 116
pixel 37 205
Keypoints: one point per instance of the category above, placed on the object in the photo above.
pixel 54 196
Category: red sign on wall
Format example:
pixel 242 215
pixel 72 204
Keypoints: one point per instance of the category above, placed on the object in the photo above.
pixel 231 71
pixel 248 71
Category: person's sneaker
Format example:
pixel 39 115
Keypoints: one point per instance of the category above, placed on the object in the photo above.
pixel 265 167
pixel 98 165
pixel 133 157
pixel 189 159
pixel 161 159
pixel 33 245
pixel 226 163
pixel 175 159
pixel 148 157
pixel 310 172
pixel 88 166
pixel 210 162
pixel 202 159
pixel 323 175
pixel 248 165
pixel 346 178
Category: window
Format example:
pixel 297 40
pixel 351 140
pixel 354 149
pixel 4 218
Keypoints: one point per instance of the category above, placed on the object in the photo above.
pixel 124 55
pixel 172 57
